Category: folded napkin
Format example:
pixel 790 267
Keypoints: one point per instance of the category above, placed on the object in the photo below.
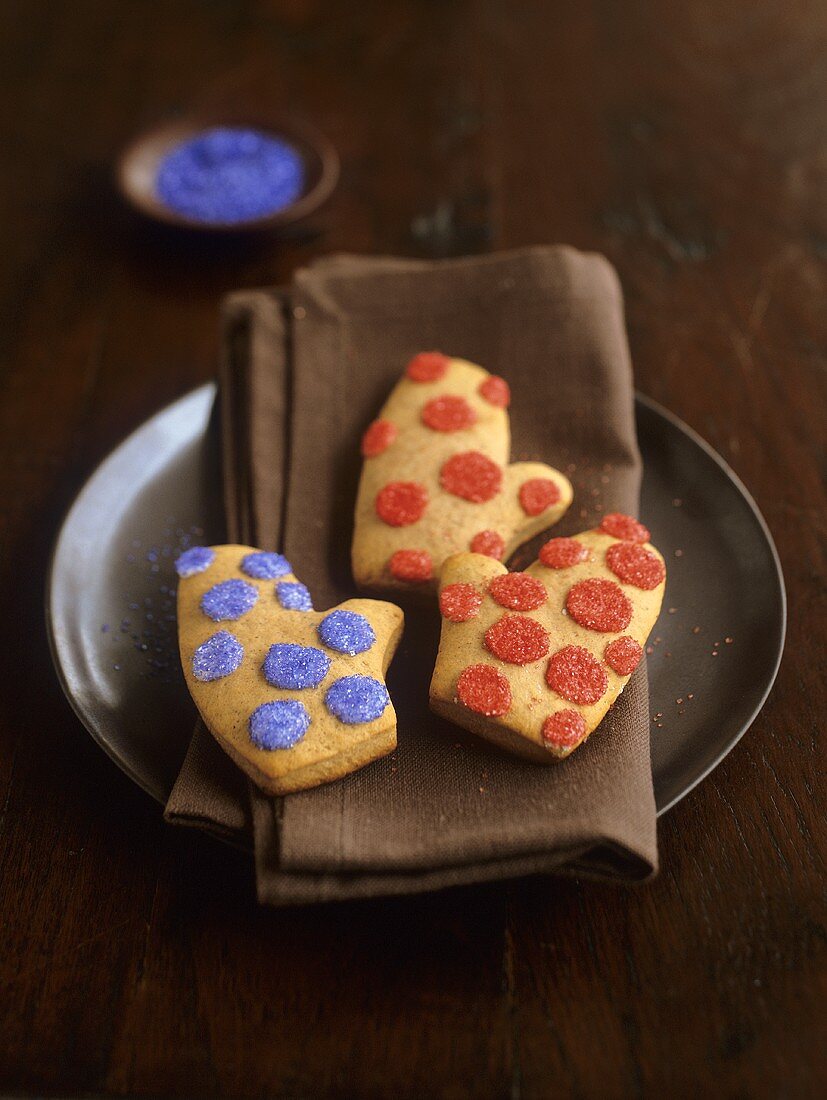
pixel 304 371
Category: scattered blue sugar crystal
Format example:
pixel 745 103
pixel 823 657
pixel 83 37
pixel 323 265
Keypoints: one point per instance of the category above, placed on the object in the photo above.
pixel 228 600
pixel 265 566
pixel 227 174
pixel 295 666
pixel 346 632
pixel 278 725
pixel 218 657
pixel 293 596
pixel 355 699
pixel 195 560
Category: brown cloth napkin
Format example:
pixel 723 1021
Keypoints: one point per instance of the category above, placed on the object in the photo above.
pixel 304 372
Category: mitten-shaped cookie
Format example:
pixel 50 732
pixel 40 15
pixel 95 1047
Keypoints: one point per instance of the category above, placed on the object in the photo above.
pixel 296 697
pixel 436 478
pixel 532 661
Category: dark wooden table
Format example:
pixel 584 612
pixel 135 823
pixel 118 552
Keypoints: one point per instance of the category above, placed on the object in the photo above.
pixel 686 140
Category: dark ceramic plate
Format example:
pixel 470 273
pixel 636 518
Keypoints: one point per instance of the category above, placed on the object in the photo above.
pixel 110 601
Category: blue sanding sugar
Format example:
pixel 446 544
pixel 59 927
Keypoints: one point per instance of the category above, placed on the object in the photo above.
pixel 278 725
pixel 346 632
pixel 195 560
pixel 216 658
pixel 265 566
pixel 355 699
pixel 293 596
pixel 295 666
pixel 228 600
pixel 228 174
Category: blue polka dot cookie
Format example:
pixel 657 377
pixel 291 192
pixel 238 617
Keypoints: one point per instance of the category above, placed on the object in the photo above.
pixel 296 697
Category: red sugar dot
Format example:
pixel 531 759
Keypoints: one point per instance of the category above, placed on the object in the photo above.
pixel 564 730
pixel 537 494
pixel 623 655
pixel 624 527
pixel 561 553
pixel 401 503
pixel 573 673
pixel 484 689
pixel 518 592
pixel 411 565
pixel 635 565
pixel 488 543
pixel 459 602
pixel 517 639
pixel 448 414
pixel 472 476
pixel 496 391
pixel 428 366
pixel 599 605
pixel 378 437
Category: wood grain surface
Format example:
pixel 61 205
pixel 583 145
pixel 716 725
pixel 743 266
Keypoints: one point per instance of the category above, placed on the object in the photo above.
pixel 686 140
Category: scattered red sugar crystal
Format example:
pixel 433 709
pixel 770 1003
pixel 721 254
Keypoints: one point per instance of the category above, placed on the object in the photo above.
pixel 484 689
pixel 624 527
pixel 634 564
pixel 599 605
pixel 576 675
pixel 496 391
pixel 448 414
pixel 537 494
pixel 564 730
pixel 623 655
pixel 411 565
pixel 401 503
pixel 517 639
pixel 518 592
pixel 459 602
pixel 472 476
pixel 428 366
pixel 561 553
pixel 488 543
pixel 378 437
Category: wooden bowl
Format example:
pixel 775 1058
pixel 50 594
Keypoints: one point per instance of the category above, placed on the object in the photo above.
pixel 138 165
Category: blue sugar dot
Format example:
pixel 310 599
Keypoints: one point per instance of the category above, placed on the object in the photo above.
pixel 355 699
pixel 265 566
pixel 228 600
pixel 293 596
pixel 278 725
pixel 217 657
pixel 195 560
pixel 295 666
pixel 346 632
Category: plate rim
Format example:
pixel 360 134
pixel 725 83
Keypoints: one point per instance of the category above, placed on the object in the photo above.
pixel 202 391
pixel 210 389
pixel 726 469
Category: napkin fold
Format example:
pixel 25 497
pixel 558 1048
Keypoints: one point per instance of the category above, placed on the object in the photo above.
pixel 304 370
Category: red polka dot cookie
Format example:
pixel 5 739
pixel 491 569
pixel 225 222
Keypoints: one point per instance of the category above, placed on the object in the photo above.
pixel 532 661
pixel 436 478
pixel 295 697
